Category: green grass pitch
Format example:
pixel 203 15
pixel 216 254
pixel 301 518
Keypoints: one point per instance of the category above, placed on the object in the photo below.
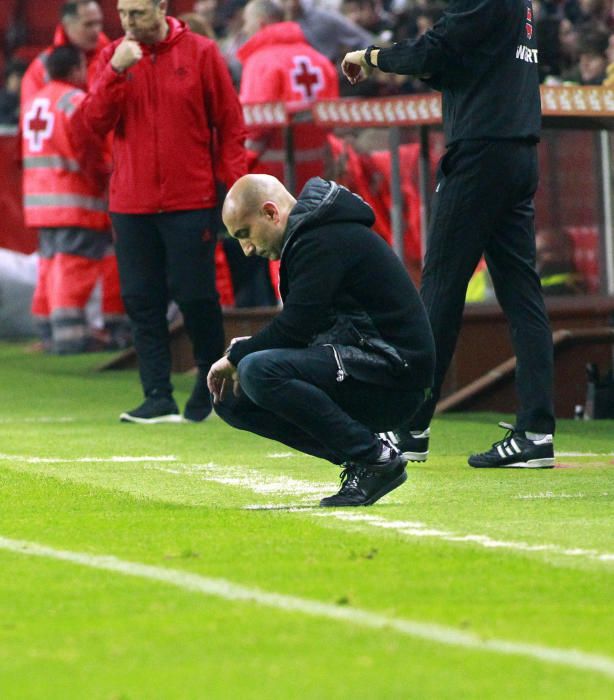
pixel 191 561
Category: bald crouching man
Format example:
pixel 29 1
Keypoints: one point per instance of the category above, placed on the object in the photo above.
pixel 351 353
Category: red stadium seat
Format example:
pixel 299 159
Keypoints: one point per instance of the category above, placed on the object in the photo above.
pixel 586 254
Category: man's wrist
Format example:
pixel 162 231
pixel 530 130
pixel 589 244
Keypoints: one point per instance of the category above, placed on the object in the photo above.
pixel 371 53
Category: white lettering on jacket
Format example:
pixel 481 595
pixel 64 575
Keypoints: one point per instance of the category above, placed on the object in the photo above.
pixel 524 53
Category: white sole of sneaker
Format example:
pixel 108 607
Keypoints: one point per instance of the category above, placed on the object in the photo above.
pixel 545 463
pixel 170 418
pixel 416 456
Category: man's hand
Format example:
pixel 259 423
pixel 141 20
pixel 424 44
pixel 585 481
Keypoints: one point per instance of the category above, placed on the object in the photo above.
pixel 221 372
pixel 354 66
pixel 126 54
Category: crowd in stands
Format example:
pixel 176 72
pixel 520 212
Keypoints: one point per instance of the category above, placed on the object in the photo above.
pixel 575 37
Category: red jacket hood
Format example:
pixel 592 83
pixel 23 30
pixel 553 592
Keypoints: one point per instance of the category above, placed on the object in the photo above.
pixel 61 39
pixel 272 34
pixel 177 28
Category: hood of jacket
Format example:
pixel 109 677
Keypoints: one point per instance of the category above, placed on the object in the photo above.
pixel 272 35
pixel 322 203
pixel 60 38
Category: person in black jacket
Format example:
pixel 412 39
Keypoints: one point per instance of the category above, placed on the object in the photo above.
pixel 483 57
pixel 351 353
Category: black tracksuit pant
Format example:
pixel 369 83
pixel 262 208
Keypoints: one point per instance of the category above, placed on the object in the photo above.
pixel 161 257
pixel 483 204
pixel 293 396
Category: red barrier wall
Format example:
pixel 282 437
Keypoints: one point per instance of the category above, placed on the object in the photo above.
pixel 13 233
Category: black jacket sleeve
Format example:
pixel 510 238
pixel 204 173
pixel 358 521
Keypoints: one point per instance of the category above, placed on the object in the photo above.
pixel 465 25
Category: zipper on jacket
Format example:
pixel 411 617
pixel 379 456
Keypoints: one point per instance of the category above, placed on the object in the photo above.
pixel 341 373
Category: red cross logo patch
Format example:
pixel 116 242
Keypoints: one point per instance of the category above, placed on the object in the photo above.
pixel 38 124
pixel 306 78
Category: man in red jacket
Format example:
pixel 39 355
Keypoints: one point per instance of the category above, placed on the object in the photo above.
pixel 167 96
pixel 280 66
pixel 64 186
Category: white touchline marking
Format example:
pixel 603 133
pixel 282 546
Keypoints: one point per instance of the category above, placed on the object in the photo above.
pixel 549 494
pixel 253 480
pixel 61 460
pixel 584 454
pixel 281 455
pixel 227 590
pixel 38 419
pixel 264 484
pixel 421 530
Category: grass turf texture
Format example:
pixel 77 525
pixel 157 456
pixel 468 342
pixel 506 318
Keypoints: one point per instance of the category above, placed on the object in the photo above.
pixel 68 631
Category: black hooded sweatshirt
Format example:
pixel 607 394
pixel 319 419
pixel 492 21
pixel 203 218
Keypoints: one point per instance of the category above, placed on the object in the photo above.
pixel 332 263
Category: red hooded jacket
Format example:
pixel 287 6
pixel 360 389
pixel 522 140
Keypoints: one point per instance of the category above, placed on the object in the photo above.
pixel 280 66
pixel 167 113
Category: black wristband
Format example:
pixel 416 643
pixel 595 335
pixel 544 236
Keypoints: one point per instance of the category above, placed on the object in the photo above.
pixel 368 55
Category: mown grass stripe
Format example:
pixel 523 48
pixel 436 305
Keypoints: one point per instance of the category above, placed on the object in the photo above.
pixel 227 590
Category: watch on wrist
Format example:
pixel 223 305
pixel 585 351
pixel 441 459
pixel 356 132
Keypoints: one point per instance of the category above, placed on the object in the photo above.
pixel 368 55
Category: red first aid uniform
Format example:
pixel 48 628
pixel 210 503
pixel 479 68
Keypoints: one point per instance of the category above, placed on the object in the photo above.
pixel 64 188
pixel 34 79
pixel 280 66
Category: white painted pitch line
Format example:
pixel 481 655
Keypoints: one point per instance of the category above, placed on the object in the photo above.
pixel 550 494
pixel 38 419
pixel 253 480
pixel 61 460
pixel 221 588
pixel 263 484
pixel 584 454
pixel 414 529
pixel 281 455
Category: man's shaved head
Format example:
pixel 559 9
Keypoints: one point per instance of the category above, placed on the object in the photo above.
pixel 250 192
pixel 256 211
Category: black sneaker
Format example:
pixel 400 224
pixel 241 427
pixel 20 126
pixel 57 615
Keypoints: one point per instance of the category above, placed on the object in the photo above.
pixel 199 404
pixel 516 450
pixel 159 409
pixel 363 485
pixel 413 444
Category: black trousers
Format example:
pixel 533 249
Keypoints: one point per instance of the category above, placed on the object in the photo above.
pixel 292 396
pixel 483 204
pixel 162 257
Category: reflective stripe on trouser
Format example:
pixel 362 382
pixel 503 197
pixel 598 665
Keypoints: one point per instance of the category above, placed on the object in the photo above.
pixel 69 330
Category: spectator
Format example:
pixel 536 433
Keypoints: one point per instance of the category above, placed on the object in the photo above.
pixel 233 37
pixel 166 95
pixel 198 25
pixel 64 197
pixel 592 65
pixel 351 352
pixel 328 31
pixel 207 10
pixel 568 43
pixel 555 263
pixel 280 66
pixel 9 93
